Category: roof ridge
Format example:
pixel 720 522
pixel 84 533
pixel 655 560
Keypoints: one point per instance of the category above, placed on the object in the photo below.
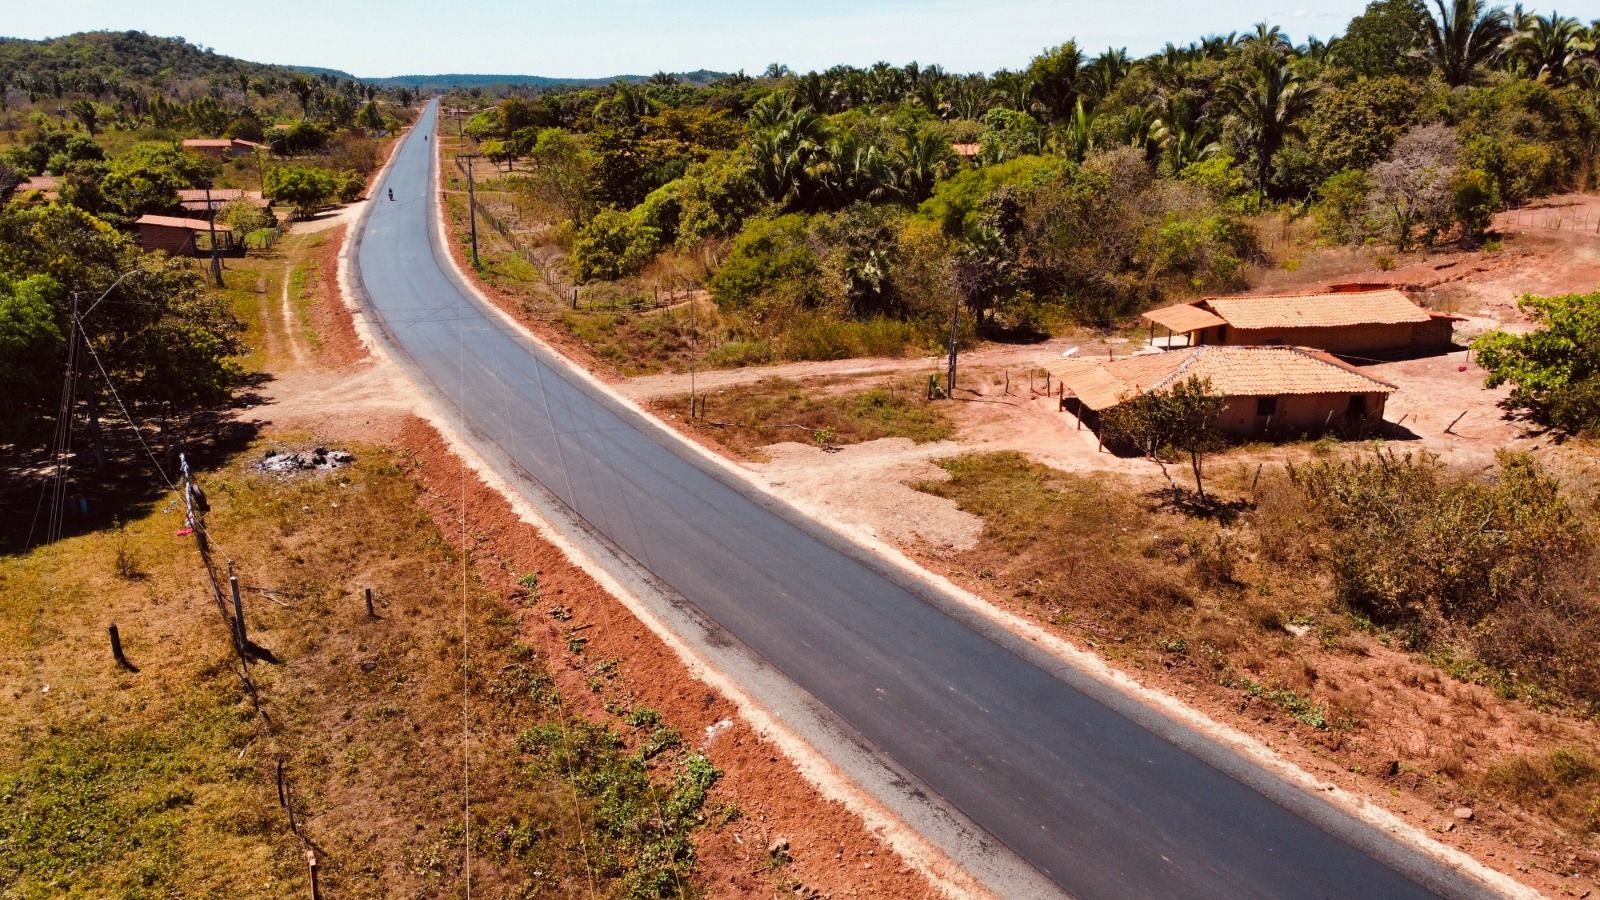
pixel 1317 356
pixel 1323 293
pixel 1180 368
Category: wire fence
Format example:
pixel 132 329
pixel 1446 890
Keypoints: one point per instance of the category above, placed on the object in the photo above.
pixel 577 296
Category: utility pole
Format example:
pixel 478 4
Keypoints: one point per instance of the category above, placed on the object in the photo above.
pixel 955 322
pixel 472 211
pixel 211 225
pixel 694 350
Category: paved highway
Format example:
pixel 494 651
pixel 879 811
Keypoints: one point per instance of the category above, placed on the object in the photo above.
pixel 1101 802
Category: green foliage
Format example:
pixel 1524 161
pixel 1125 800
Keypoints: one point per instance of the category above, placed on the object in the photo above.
pixel 1554 369
pixel 1218 175
pixel 641 829
pixel 612 245
pixel 31 344
pixel 147 177
pixel 1342 210
pixel 771 270
pixel 298 138
pixel 956 200
pixel 714 199
pixel 1380 42
pixel 305 188
pixel 161 335
pixel 244 217
pixel 1474 199
pixel 1356 126
pixel 1009 134
pixel 1180 417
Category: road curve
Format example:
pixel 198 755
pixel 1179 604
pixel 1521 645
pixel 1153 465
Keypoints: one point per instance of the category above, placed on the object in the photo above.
pixel 1081 785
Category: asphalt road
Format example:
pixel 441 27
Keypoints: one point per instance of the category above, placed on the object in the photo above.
pixel 1101 802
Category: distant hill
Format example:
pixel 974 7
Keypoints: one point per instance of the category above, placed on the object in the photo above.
pixel 94 62
pixel 445 82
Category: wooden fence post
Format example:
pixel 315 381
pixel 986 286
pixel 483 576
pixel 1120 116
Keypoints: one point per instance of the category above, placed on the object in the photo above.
pixel 370 614
pixel 238 614
pixel 116 649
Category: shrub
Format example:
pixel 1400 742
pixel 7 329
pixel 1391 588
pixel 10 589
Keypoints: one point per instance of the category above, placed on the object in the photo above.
pixel 1554 369
pixel 1420 547
pixel 771 271
pixel 613 245
pixel 1342 205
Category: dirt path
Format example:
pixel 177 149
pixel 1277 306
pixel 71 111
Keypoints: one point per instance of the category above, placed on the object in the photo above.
pixel 291 324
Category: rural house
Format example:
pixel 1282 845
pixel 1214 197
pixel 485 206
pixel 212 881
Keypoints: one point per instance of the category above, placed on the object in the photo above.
pixel 222 148
pixel 1269 390
pixel 178 236
pixel 193 200
pixel 1347 322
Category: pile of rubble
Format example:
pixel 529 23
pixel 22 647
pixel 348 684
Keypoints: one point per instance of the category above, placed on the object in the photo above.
pixel 291 462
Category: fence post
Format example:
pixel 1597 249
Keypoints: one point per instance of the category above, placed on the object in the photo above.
pixel 116 649
pixel 574 298
pixel 238 614
pixel 370 614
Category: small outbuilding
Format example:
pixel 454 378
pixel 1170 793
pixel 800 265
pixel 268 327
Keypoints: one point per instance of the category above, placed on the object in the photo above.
pixel 1348 322
pixel 183 237
pixel 1268 390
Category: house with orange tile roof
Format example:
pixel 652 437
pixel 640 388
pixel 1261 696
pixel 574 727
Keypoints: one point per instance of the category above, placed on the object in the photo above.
pixel 184 237
pixel 222 147
pixel 1268 390
pixel 1360 322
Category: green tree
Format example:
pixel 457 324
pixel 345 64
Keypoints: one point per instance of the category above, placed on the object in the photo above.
pixel 1356 126
pixel 562 175
pixel 1181 417
pixel 31 342
pixel 1462 38
pixel 771 272
pixel 1268 102
pixel 612 245
pixel 146 177
pixel 1053 76
pixel 1554 369
pixel 305 188
pixel 1380 42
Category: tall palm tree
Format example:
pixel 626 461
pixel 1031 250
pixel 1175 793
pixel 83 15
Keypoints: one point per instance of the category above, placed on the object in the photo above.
pixel 922 158
pixel 1549 44
pixel 1463 37
pixel 787 154
pixel 1012 89
pixel 1268 104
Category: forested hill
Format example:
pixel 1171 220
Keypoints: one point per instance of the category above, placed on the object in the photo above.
pixel 452 81
pixel 100 62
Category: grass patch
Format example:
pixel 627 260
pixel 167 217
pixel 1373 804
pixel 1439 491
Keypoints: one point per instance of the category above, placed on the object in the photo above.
pixel 162 783
pixel 751 416
pixel 1565 782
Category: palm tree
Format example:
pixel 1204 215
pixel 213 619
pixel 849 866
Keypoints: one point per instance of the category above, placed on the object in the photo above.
pixel 1012 89
pixel 788 154
pixel 1268 104
pixel 1075 137
pixel 922 158
pixel 1548 46
pixel 1106 72
pixel 1463 37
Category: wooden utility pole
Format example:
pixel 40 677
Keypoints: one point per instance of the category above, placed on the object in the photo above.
pixel 955 322
pixel 472 212
pixel 694 348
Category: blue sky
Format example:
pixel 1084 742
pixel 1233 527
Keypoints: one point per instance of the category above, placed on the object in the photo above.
pixel 608 37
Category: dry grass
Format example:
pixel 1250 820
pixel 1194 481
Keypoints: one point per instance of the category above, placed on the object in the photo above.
pixel 161 782
pixel 744 418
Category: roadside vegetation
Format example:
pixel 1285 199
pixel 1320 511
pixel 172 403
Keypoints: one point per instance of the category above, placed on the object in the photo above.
pixel 845 212
pixel 1278 596
pixel 163 781
pixel 745 418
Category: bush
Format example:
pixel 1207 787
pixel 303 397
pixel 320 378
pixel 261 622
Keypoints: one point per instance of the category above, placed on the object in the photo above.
pixel 771 271
pixel 1554 370
pixel 1423 548
pixel 613 245
pixel 244 217
pixel 1342 205
pixel 350 186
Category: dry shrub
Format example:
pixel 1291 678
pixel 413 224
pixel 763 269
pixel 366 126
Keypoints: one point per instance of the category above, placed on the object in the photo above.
pixel 1501 564
pixel 1563 784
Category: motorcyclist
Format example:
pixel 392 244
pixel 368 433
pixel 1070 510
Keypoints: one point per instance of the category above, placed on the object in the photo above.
pixel 391 193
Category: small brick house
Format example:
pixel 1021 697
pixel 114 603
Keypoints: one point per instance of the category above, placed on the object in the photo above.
pixel 1379 322
pixel 1269 390
pixel 179 236
pixel 222 148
